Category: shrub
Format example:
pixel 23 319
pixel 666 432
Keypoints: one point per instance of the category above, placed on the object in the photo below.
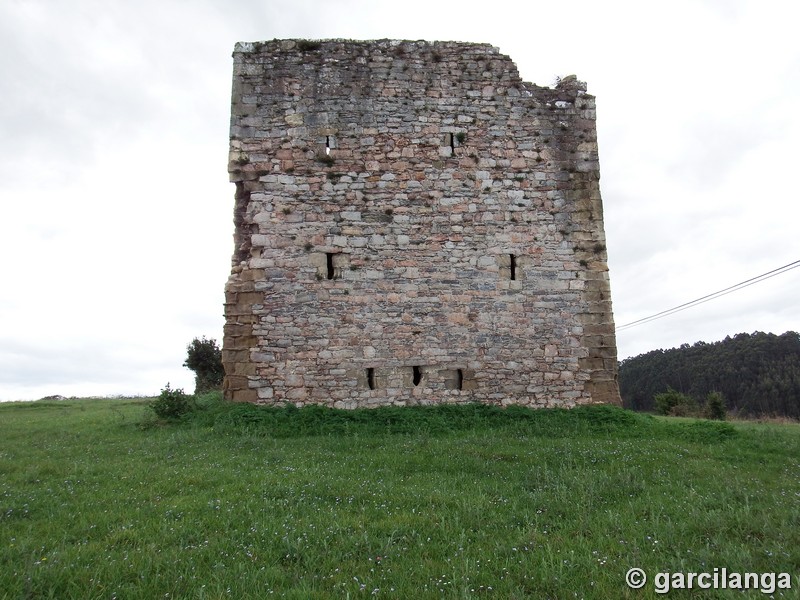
pixel 683 410
pixel 715 407
pixel 171 404
pixel 204 357
pixel 674 403
pixel 308 45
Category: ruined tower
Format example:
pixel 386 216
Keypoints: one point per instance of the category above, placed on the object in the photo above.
pixel 414 224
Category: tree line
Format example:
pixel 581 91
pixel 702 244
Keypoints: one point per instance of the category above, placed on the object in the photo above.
pixel 757 374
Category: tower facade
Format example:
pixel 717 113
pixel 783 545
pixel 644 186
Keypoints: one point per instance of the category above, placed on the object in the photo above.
pixel 414 224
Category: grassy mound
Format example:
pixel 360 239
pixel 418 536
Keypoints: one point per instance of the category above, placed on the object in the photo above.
pixel 425 502
pixel 314 420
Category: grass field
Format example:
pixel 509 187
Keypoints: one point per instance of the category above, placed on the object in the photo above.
pixel 98 501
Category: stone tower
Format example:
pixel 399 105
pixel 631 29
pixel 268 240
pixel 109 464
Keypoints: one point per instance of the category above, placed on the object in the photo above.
pixel 414 224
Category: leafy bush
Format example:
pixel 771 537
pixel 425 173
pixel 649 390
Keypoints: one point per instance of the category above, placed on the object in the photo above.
pixel 171 404
pixel 715 407
pixel 675 404
pixel 204 357
pixel 308 45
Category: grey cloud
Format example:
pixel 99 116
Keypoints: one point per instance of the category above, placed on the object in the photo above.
pixel 84 367
pixel 63 101
pixel 713 150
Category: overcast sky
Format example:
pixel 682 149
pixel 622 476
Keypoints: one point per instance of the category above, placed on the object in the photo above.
pixel 116 210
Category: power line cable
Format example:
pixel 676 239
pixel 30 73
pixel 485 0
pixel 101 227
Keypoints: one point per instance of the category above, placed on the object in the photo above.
pixel 714 296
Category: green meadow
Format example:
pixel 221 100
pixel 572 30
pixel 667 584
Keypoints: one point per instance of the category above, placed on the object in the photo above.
pixel 100 500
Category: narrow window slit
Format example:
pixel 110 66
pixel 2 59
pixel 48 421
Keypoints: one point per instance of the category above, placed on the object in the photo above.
pixel 371 378
pixel 452 140
pixel 329 256
pixel 459 379
pixel 327 149
pixel 417 375
pixel 513 266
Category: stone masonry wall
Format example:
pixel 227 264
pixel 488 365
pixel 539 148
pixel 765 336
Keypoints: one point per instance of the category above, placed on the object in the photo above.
pixel 414 224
